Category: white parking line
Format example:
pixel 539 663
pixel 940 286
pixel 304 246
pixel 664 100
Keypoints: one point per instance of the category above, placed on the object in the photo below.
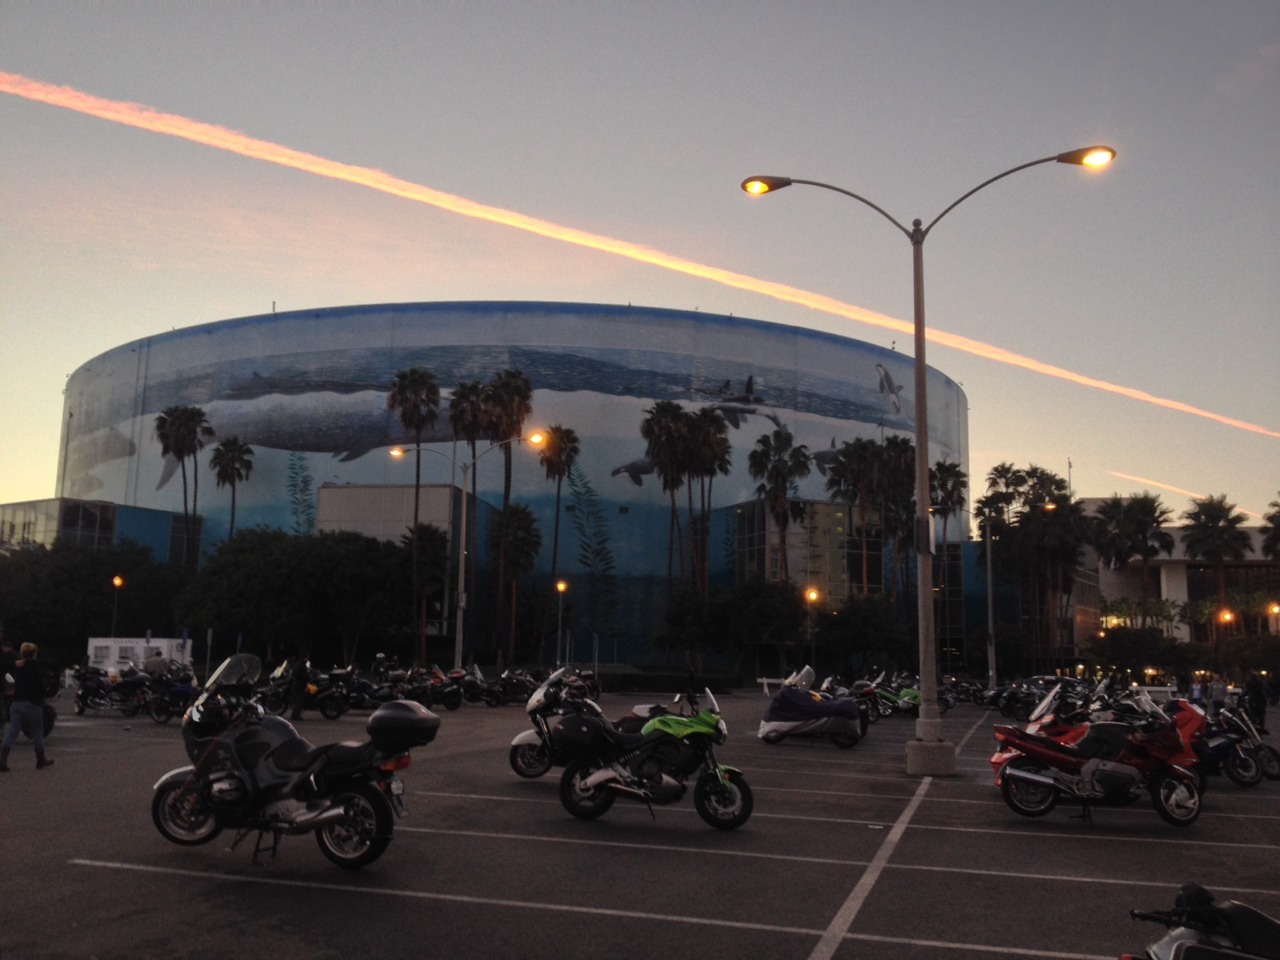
pixel 844 918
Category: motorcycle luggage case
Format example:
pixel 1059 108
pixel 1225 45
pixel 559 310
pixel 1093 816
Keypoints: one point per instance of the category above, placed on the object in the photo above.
pixel 400 725
pixel 576 732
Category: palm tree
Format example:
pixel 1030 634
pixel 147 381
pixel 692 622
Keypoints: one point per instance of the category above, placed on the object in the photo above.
pixel 1146 517
pixel 779 465
pixel 709 452
pixel 232 462
pixel 557 457
pixel 1005 484
pixel 947 486
pixel 663 430
pixel 468 417
pixel 515 535
pixel 182 432
pixel 854 477
pixel 1213 534
pixel 1271 531
pixel 416 396
pixel 508 403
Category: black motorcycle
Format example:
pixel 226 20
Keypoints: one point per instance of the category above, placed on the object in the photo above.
pixel 562 694
pixel 1201 929
pixel 172 692
pixel 95 690
pixel 251 772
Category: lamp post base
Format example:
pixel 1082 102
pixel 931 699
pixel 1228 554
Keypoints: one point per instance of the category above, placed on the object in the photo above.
pixel 931 758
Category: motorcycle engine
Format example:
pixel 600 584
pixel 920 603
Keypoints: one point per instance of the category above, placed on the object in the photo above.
pixel 1115 781
pixel 227 792
pixel 669 756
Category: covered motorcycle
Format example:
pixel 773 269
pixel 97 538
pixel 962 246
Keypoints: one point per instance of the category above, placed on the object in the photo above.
pixel 797 711
pixel 252 772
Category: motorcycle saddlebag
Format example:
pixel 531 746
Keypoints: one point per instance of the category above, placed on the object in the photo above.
pixel 400 725
pixel 575 732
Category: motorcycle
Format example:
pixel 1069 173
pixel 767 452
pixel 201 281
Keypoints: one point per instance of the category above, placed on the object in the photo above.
pixel 1111 764
pixel 171 693
pixel 796 711
pixel 510 687
pixel 652 766
pixel 324 691
pixel 1267 759
pixel 251 772
pixel 96 691
pixel 431 686
pixel 1201 929
pixel 533 752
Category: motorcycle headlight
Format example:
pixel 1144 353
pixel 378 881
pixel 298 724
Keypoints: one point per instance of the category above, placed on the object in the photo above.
pixel 723 729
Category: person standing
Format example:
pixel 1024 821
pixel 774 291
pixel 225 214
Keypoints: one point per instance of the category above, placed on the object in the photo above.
pixel 27 710
pixel 1217 693
pixel 8 657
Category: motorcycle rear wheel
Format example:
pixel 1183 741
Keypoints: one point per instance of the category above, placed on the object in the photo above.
pixel 1176 801
pixel 725 805
pixel 179 813
pixel 452 698
pixel 530 760
pixel 364 834
pixel 1243 768
pixel 844 741
pixel 160 709
pixel 585 803
pixel 1024 796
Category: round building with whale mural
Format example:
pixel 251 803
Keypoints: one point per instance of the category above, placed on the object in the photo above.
pixel 307 391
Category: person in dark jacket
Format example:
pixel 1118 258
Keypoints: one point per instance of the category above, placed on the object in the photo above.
pixel 27 710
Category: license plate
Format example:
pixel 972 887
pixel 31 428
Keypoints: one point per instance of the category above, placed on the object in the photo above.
pixel 396 787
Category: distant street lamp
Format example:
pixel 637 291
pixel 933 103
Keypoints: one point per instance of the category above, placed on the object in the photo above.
pixel 929 754
pixel 561 587
pixel 117 582
pixel 535 439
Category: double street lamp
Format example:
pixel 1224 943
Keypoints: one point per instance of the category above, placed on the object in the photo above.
pixel 928 754
pixel 535 439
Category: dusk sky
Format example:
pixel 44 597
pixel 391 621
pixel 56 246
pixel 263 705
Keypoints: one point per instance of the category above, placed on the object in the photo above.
pixel 593 152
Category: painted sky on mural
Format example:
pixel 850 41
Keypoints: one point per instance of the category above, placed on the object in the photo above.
pixel 1120 328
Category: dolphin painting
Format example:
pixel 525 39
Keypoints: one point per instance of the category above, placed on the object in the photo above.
pixel 824 459
pixel 636 470
pixel 890 389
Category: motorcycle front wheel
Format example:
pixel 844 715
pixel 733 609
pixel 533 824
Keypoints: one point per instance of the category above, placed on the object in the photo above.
pixel 181 815
pixel 1026 797
pixel 585 803
pixel 727 804
pixel 844 740
pixel 530 760
pixel 452 698
pixel 362 836
pixel 331 708
pixel 160 709
pixel 1177 801
pixel 1242 767
pixel 1269 760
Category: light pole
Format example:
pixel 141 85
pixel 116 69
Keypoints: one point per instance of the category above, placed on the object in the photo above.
pixel 928 754
pixel 561 587
pixel 117 582
pixel 535 439
pixel 811 597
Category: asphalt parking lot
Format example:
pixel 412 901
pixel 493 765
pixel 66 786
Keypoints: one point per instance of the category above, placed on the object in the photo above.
pixel 845 856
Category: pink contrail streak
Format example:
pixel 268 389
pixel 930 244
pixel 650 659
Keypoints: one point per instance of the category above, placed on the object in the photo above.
pixel 1164 486
pixel 146 118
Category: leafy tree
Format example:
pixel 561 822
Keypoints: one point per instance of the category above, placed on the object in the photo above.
pixel 415 395
pixel 594 555
pixel 732 621
pixel 779 464
pixel 232 463
pixel 866 632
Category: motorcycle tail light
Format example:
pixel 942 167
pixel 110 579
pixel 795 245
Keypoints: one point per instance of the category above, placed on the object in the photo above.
pixel 395 763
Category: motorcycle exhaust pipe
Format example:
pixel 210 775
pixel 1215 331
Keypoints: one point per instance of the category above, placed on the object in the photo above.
pixel 314 821
pixel 1019 774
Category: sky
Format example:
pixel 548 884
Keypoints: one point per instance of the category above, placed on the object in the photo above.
pixel 1118 327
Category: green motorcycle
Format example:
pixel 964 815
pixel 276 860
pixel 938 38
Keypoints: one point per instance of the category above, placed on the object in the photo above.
pixel 653 766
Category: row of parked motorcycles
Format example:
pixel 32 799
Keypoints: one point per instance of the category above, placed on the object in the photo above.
pixel 133 692
pixel 1102 747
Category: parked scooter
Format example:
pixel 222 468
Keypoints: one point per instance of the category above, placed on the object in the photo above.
pixel 1201 929
pixel 796 711
pixel 252 772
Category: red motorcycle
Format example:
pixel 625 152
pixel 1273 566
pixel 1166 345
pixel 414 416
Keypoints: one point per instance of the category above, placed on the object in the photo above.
pixel 1109 764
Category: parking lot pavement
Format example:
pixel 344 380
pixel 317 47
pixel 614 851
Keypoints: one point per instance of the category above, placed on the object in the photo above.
pixel 844 855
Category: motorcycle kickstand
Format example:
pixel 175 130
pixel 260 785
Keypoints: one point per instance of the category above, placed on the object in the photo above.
pixel 1085 814
pixel 258 848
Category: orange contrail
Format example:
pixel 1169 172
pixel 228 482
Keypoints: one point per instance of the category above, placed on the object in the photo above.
pixel 146 118
pixel 1164 486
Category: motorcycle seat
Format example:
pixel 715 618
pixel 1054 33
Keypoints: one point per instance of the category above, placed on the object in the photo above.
pixel 1256 932
pixel 299 754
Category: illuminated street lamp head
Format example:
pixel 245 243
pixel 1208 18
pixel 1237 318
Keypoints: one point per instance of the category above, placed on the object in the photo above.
pixel 1226 616
pixel 812 594
pixel 562 586
pixel 396 452
pixel 759 185
pixel 117 581
pixel 537 438
pixel 1094 157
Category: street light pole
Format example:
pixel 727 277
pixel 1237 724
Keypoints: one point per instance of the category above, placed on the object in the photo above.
pixel 561 587
pixel 928 754
pixel 117 582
